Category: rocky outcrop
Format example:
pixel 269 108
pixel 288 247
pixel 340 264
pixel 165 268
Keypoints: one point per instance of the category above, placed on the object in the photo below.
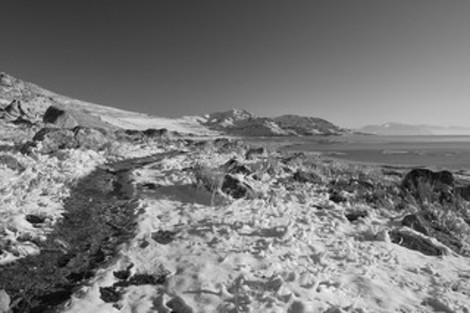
pixel 422 183
pixel 59 118
pixel 91 138
pixel 15 113
pixel 54 139
pixel 235 188
pixel 415 241
pixel 427 224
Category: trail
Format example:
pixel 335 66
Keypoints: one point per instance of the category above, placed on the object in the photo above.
pixel 100 215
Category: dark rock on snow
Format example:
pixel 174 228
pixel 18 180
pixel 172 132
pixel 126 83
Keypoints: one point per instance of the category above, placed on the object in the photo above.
pixel 235 167
pixel 235 188
pixel 426 223
pixel 307 177
pixel 110 294
pixel 163 237
pixel 35 219
pixel 354 216
pixel 337 197
pixel 440 184
pixel 413 241
pixel 251 153
pixel 59 118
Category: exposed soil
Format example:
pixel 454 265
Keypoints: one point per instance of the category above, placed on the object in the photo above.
pixel 100 215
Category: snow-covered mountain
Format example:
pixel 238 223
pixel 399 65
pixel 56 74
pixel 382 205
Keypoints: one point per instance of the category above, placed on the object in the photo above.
pixel 244 123
pixel 304 125
pixel 409 129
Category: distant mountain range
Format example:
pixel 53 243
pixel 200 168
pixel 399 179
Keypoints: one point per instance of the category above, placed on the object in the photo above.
pixel 401 129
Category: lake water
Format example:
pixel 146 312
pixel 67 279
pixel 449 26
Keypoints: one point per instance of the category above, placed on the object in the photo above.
pixel 442 152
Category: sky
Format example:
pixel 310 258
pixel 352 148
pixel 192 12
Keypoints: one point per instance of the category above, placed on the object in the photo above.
pixel 351 62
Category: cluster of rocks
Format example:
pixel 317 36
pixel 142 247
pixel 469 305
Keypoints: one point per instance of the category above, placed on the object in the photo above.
pixel 15 113
pixel 427 188
pixel 54 139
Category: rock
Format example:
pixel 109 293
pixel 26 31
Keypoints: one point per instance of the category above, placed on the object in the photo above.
pixel 129 135
pixel 464 192
pixel 4 301
pixel 418 182
pixel 6 80
pixel 249 155
pixel 15 109
pixel 35 219
pixel 59 118
pixel 354 216
pixel 141 279
pixel 54 139
pixel 156 133
pixel 146 279
pixel 11 162
pixel 163 237
pixel 307 177
pixel 426 223
pixel 235 167
pixel 178 305
pixel 416 222
pixel 109 294
pixel 416 241
pixel 91 138
pixel 337 197
pixel 122 275
pixel 235 188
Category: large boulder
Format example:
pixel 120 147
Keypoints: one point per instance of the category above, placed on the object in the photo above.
pixel 425 184
pixel 415 241
pixel 235 188
pixel 15 108
pixel 54 139
pixel 59 118
pixel 91 138
pixel 427 224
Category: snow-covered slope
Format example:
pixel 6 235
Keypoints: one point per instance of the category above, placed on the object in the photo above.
pixel 243 123
pixel 36 100
pixel 304 125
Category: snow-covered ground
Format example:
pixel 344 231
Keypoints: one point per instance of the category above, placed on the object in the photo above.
pixel 290 249
pixel 37 189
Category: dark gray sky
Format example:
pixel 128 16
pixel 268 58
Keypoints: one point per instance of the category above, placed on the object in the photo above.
pixel 352 62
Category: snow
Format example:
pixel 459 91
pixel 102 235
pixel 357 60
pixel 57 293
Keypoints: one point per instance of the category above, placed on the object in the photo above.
pixel 39 190
pixel 140 121
pixel 286 251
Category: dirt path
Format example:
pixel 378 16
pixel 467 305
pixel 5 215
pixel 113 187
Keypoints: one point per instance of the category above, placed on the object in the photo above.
pixel 100 214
